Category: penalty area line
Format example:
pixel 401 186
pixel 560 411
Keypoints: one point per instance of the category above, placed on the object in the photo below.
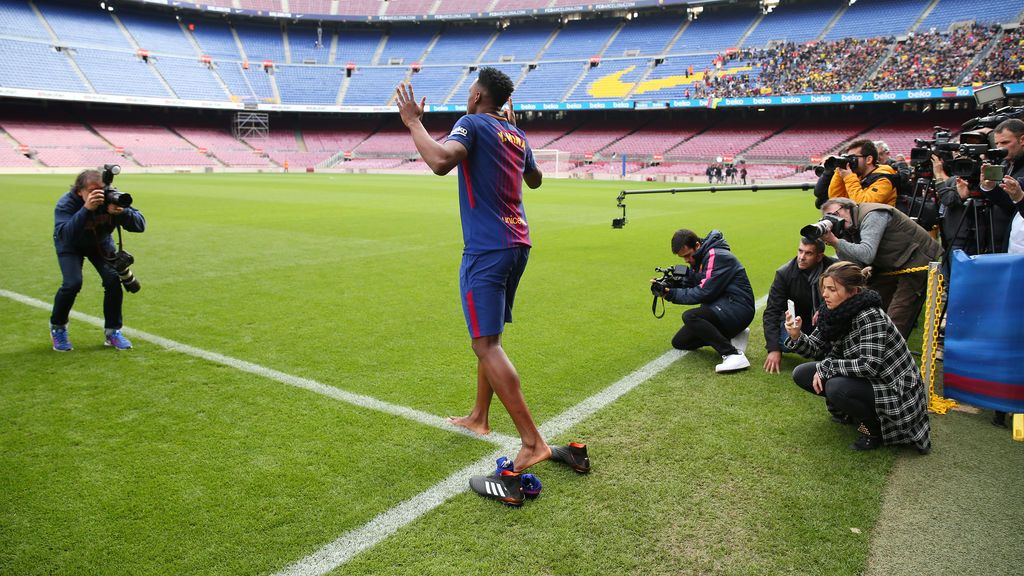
pixel 359 400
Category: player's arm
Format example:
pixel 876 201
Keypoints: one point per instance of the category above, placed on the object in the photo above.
pixel 533 179
pixel 440 157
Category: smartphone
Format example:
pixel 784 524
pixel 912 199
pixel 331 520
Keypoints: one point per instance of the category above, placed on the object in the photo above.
pixel 791 308
pixel 991 172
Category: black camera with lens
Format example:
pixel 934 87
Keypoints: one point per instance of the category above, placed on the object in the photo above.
pixel 671 277
pixel 833 162
pixel 111 195
pixel 973 158
pixel 827 223
pixel 121 262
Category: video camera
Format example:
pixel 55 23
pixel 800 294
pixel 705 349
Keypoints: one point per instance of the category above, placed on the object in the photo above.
pixel 110 194
pixel 827 223
pixel 995 118
pixel 671 277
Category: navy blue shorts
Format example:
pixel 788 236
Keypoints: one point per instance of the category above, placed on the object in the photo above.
pixel 488 285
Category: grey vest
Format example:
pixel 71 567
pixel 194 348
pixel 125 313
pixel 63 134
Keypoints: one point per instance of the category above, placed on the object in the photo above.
pixel 904 244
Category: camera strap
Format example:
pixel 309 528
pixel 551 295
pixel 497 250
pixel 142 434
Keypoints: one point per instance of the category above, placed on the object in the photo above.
pixel 119 246
pixel 654 307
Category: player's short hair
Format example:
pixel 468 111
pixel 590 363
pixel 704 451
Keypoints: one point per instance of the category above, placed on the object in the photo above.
pixel 497 84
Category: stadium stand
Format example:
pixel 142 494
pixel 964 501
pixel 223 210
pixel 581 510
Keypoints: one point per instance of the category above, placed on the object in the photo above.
pixel 730 50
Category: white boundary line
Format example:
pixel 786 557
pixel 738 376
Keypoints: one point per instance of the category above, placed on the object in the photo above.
pixel 359 400
pixel 350 544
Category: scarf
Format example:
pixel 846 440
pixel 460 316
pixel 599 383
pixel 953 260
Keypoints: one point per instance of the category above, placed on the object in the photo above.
pixel 833 325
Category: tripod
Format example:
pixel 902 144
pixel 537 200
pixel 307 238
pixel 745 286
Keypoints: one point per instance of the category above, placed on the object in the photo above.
pixel 979 209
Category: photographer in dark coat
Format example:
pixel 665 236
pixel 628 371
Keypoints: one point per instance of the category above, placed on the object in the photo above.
pixel 867 374
pixel 718 282
pixel 796 280
pixel 83 223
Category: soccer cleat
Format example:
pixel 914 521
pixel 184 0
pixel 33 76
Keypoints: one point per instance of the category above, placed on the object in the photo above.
pixel 506 487
pixel 61 343
pixel 531 485
pixel 732 363
pixel 117 340
pixel 739 341
pixel 573 455
pixel 502 464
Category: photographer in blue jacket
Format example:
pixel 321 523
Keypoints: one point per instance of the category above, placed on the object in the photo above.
pixel 83 222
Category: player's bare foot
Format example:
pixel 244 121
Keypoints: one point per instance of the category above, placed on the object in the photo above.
pixel 529 456
pixel 470 424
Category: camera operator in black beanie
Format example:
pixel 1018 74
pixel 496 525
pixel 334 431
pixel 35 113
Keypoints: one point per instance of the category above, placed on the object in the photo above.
pixel 83 223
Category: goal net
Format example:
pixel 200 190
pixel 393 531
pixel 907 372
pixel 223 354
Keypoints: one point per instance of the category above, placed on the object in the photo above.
pixel 553 163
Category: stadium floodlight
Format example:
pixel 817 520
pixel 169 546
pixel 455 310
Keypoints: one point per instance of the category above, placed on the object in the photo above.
pixel 767 6
pixel 693 12
pixel 106 6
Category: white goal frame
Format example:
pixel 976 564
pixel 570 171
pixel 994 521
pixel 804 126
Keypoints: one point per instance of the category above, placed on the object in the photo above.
pixel 560 157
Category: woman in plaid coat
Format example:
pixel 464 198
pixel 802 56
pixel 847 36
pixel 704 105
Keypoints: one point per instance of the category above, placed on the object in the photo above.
pixel 867 376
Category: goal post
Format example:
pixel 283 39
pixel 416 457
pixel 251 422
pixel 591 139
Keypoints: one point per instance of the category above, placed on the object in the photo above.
pixel 552 157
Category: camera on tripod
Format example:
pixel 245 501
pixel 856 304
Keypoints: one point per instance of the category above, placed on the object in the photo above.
pixel 111 195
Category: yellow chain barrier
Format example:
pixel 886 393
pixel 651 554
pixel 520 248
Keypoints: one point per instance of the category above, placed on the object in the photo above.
pixel 906 271
pixel 936 403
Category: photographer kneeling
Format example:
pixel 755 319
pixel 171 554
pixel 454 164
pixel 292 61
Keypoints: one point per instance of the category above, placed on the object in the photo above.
pixel 868 375
pixel 83 221
pixel 718 282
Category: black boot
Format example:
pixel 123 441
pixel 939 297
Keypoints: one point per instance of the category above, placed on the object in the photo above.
pixel 867 440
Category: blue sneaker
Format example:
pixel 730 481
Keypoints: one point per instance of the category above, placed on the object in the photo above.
pixel 531 485
pixel 59 336
pixel 117 340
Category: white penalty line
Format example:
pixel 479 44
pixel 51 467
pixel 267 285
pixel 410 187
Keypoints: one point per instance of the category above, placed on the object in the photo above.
pixel 359 400
pixel 348 545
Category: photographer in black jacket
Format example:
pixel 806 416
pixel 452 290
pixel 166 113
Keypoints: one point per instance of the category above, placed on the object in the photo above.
pixel 1009 135
pixel 718 282
pixel 83 223
pixel 796 280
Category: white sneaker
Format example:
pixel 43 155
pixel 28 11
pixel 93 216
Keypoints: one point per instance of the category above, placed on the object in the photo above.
pixel 740 340
pixel 732 363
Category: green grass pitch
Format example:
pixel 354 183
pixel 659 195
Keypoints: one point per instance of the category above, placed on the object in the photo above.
pixel 157 462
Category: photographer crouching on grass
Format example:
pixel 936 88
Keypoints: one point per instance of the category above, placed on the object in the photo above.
pixel 718 282
pixel 881 236
pixel 867 374
pixel 84 219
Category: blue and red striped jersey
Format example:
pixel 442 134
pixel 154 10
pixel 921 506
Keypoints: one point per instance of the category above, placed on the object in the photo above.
pixel 491 183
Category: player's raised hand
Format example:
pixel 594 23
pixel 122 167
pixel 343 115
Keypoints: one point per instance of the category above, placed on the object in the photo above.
pixel 406 102
pixel 509 114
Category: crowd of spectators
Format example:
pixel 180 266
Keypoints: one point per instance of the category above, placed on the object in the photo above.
pixel 1005 62
pixel 932 59
pixel 924 60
